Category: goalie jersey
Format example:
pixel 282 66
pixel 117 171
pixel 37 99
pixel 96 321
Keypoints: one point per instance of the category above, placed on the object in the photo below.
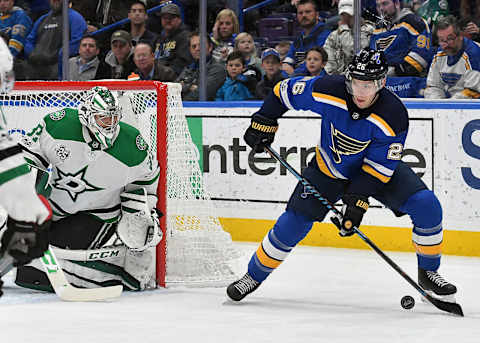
pixel 85 178
pixel 365 150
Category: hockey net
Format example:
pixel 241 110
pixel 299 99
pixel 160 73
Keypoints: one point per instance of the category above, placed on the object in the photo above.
pixel 195 251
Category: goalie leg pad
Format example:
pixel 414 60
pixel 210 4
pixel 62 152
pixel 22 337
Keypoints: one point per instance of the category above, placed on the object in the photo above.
pixel 134 270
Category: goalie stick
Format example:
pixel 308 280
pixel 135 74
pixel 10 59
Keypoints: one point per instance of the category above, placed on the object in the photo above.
pixel 453 308
pixel 66 291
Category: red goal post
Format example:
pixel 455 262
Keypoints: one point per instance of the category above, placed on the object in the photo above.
pixel 195 249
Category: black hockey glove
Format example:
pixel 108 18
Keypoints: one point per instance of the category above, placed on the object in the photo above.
pixel 261 132
pixel 406 69
pixel 1 284
pixel 25 241
pixel 355 207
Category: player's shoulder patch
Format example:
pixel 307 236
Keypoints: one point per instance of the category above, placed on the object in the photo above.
pixel 141 144
pixel 68 114
pixel 58 115
pixel 64 124
pixel 389 114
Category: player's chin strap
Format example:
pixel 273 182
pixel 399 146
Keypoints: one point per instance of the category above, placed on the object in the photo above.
pixel 139 227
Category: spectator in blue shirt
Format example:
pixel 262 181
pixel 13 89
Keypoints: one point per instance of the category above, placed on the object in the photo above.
pixel 234 88
pixel 15 22
pixel 43 44
pixel 314 34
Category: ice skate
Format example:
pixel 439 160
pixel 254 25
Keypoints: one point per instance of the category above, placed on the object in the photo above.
pixel 241 288
pixel 435 285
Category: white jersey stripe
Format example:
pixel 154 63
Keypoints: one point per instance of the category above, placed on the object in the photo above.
pixel 378 167
pixel 428 240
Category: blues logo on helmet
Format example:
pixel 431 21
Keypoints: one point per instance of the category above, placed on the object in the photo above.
pixel 367 65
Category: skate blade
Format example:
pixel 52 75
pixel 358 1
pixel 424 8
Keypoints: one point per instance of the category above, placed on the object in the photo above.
pixel 447 298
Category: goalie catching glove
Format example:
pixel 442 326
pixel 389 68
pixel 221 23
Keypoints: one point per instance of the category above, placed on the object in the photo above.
pixel 261 132
pixel 354 208
pixel 139 227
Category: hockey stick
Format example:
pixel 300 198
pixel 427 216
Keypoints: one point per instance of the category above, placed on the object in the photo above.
pixel 68 292
pixel 442 305
pixel 6 264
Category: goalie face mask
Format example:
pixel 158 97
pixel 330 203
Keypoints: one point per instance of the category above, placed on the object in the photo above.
pixel 101 113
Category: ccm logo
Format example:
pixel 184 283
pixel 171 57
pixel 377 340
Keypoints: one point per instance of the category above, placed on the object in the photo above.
pixel 103 254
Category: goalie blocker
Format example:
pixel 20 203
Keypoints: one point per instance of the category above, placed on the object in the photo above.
pixel 138 229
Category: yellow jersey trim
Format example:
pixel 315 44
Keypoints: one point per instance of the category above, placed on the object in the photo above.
pixel 414 63
pixel 322 165
pixel 428 249
pixel 318 96
pixel 383 123
pixel 266 260
pixel 369 170
pixel 276 90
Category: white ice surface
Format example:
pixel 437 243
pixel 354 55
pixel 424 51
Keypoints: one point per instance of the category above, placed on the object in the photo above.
pixel 317 295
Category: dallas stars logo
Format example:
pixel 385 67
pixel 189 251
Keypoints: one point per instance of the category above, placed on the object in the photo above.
pixel 74 184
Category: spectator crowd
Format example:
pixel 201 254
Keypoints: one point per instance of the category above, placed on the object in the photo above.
pixel 431 46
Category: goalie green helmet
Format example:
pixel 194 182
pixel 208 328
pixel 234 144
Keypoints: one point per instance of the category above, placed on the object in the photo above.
pixel 100 111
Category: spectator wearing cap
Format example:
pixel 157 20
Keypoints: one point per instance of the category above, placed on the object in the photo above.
pixel 339 44
pixel 87 66
pixel 138 24
pixel 120 57
pixel 215 71
pixel 172 46
pixel 272 67
pixel 147 67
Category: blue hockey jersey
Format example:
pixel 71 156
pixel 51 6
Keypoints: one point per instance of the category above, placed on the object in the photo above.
pixel 365 151
pixel 298 50
pixel 17 25
pixel 408 40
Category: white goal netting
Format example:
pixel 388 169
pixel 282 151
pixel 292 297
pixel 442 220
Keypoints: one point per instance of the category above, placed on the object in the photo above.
pixel 198 251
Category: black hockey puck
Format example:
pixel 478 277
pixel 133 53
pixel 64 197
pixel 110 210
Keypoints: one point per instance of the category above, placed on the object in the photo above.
pixel 407 302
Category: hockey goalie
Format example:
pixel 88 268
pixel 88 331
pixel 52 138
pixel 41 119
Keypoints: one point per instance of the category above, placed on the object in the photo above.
pixel 102 190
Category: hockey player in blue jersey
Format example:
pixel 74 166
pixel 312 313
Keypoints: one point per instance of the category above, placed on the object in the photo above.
pixel 404 37
pixel 358 156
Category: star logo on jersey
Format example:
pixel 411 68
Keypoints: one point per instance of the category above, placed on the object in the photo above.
pixel 345 145
pixel 74 184
pixel 384 43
